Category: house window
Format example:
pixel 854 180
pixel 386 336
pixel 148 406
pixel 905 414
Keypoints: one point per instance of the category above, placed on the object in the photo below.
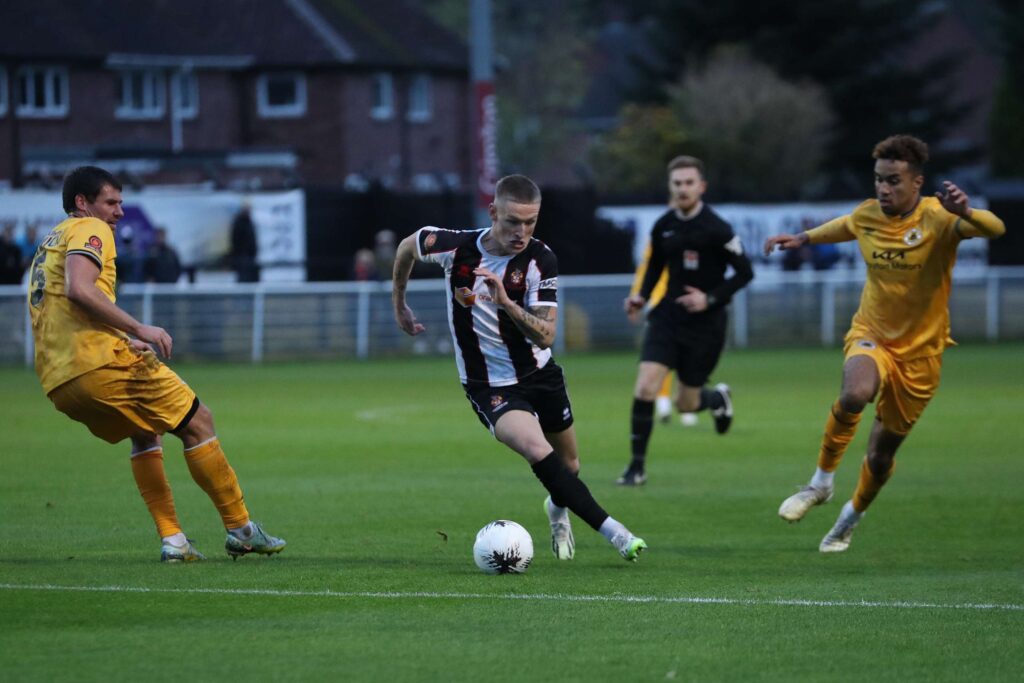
pixel 3 91
pixel 281 95
pixel 383 97
pixel 421 100
pixel 140 94
pixel 185 91
pixel 42 91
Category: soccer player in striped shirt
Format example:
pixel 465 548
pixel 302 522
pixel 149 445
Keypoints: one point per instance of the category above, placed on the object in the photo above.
pixel 501 286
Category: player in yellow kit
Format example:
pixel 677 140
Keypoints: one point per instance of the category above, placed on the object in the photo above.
pixel 895 343
pixel 95 373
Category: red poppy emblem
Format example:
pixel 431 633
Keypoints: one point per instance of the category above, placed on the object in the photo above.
pixel 94 243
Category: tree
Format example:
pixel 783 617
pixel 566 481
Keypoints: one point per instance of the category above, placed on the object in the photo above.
pixel 854 48
pixel 1007 134
pixel 762 138
pixel 630 160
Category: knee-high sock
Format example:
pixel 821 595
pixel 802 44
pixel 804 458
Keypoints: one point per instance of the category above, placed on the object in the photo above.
pixel 839 431
pixel 641 424
pixel 148 468
pixel 666 387
pixel 210 469
pixel 869 485
pixel 567 490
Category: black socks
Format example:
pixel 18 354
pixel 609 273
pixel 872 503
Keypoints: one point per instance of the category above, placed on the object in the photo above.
pixel 568 491
pixel 640 428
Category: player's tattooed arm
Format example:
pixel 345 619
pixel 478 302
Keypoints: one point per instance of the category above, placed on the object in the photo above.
pixel 404 258
pixel 538 323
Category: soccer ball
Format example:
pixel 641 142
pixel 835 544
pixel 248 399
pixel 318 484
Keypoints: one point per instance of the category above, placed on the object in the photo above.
pixel 503 547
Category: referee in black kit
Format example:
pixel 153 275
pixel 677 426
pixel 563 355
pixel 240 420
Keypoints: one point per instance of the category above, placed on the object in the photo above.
pixel 686 330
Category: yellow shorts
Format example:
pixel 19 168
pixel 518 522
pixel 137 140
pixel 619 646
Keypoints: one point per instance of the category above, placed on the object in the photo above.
pixel 906 386
pixel 136 393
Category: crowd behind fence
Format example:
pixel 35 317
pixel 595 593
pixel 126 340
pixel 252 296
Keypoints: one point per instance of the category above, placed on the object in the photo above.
pixel 291 321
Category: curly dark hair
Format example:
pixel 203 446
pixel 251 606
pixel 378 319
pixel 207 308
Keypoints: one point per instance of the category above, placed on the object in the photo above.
pixel 903 148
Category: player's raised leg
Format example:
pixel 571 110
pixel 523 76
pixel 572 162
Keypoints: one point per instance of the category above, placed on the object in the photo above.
pixel 210 469
pixel 861 380
pixel 520 431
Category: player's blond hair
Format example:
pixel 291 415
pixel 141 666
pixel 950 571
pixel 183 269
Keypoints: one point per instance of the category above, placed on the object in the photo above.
pixel 518 189
pixel 903 148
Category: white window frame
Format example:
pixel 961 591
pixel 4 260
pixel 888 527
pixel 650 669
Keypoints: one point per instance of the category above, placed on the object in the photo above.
pixel 154 94
pixel 382 95
pixel 421 99
pixel 180 82
pixel 293 110
pixel 53 76
pixel 3 91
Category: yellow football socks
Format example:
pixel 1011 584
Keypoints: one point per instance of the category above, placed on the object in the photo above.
pixel 666 387
pixel 869 485
pixel 210 469
pixel 839 431
pixel 148 468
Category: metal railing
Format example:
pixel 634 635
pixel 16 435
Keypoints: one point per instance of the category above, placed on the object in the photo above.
pixel 285 321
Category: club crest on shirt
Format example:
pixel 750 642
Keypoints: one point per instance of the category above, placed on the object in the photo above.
pixel 691 259
pixel 94 243
pixel 464 296
pixel 516 278
pixel 912 236
pixel 430 240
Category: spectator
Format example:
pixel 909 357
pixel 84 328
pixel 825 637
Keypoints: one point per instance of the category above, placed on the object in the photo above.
pixel 384 253
pixel 243 246
pixel 28 243
pixel 162 263
pixel 364 266
pixel 11 265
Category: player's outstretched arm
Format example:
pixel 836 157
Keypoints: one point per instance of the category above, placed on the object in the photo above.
pixel 980 223
pixel 80 275
pixel 785 242
pixel 405 257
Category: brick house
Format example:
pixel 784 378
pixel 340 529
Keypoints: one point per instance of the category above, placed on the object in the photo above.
pixel 235 93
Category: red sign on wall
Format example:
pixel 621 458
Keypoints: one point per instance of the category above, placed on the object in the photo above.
pixel 486 142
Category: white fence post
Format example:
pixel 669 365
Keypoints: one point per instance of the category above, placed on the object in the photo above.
pixel 741 318
pixel 828 313
pixel 992 305
pixel 258 313
pixel 363 321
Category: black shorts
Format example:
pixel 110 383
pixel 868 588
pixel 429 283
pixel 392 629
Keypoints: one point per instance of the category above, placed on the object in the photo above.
pixel 542 393
pixel 692 356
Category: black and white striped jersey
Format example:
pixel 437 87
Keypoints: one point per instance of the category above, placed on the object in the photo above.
pixel 489 348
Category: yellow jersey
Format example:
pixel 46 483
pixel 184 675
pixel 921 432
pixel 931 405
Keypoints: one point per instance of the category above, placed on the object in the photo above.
pixel 910 258
pixel 68 343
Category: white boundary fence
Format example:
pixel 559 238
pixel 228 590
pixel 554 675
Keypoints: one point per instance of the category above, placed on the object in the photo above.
pixel 289 321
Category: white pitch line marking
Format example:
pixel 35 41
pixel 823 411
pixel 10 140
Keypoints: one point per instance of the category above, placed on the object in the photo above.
pixel 553 597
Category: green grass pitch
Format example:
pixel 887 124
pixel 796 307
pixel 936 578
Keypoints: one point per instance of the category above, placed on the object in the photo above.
pixel 379 475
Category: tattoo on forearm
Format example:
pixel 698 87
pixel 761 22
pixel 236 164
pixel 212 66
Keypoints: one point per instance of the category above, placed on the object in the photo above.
pixel 534 323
